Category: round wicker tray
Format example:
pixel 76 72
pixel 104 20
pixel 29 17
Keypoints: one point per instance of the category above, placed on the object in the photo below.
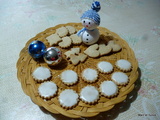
pixel 26 64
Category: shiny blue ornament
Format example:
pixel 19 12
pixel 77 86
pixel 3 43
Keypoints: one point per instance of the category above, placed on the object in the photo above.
pixel 36 49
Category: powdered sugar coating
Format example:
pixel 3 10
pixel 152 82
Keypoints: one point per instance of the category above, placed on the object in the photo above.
pixel 68 98
pixel 89 94
pixel 47 89
pixel 120 78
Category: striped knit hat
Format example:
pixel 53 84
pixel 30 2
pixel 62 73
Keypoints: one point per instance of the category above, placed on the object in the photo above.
pixel 92 14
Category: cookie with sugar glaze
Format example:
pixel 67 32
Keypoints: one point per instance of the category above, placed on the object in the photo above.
pixel 68 98
pixel 89 94
pixel 120 78
pixel 41 74
pixel 69 77
pixel 123 65
pixel 105 67
pixel 108 89
pixel 47 90
pixel 89 75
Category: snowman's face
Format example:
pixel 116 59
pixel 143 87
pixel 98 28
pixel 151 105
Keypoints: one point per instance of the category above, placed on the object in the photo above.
pixel 89 24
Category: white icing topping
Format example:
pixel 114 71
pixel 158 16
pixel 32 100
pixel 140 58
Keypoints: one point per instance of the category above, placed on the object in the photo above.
pixel 41 73
pixel 90 74
pixel 120 78
pixel 123 64
pixel 68 98
pixel 69 77
pixel 89 94
pixel 105 67
pixel 47 89
pixel 108 88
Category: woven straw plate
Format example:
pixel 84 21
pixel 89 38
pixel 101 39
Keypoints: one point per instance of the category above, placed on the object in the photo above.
pixel 26 64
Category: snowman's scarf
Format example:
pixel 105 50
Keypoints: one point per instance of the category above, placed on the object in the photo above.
pixel 82 30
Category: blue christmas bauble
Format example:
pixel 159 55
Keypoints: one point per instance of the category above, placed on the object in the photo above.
pixel 36 49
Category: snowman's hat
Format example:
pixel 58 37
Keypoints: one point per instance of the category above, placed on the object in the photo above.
pixel 92 14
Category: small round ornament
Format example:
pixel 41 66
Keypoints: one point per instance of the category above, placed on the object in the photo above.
pixel 52 56
pixel 36 49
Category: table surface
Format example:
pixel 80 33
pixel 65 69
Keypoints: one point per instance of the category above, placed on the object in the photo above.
pixel 137 21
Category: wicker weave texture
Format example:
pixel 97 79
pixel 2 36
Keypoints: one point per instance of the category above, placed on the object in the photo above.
pixel 26 65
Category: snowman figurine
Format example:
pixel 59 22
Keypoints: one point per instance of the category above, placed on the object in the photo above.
pixel 90 21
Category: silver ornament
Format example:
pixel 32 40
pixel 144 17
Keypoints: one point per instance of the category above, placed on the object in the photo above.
pixel 52 56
